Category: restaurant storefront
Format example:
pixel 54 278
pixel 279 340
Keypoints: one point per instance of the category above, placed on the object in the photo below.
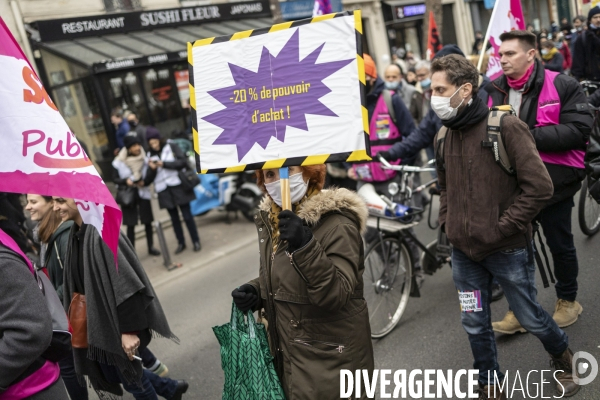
pixel 133 61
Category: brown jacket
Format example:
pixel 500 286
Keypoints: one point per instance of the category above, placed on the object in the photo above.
pixel 318 318
pixel 483 209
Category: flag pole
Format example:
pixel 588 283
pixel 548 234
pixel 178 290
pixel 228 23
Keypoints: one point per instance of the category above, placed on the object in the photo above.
pixel 286 200
pixel 487 38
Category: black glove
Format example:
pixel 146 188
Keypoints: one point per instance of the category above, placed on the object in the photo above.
pixel 292 229
pixel 384 154
pixel 245 297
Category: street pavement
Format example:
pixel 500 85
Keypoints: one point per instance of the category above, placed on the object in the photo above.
pixel 197 297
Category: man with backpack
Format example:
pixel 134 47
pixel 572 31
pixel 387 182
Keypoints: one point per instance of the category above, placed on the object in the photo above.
pixel 555 109
pixel 423 135
pixel 486 214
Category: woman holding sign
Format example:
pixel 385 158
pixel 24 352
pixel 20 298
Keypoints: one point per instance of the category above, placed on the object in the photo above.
pixel 310 282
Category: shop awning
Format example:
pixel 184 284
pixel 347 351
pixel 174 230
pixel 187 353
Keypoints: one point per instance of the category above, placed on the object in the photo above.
pixel 132 49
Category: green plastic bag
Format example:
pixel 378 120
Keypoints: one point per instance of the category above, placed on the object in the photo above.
pixel 246 360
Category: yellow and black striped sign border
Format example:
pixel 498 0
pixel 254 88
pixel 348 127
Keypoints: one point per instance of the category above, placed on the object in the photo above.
pixel 358 155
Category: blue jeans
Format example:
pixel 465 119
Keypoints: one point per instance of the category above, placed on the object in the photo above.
pixel 148 358
pixel 515 272
pixel 146 392
pixel 164 387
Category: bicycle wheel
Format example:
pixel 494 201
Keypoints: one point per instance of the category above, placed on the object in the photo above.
pixel 589 211
pixel 387 278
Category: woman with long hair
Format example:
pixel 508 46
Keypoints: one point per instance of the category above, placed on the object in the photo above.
pixel 310 282
pixel 53 236
pixel 114 313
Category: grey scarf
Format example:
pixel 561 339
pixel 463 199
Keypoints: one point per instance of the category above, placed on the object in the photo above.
pixel 105 289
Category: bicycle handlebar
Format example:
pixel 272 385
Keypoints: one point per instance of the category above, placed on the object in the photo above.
pixel 404 168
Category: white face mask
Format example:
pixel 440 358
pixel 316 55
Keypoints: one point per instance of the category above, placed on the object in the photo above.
pixel 298 189
pixel 441 106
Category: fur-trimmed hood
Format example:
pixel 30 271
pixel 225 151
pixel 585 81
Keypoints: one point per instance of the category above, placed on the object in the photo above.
pixel 331 200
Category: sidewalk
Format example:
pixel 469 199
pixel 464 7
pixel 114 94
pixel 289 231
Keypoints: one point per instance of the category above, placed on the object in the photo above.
pixel 217 237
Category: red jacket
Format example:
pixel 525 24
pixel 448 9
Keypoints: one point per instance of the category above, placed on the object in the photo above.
pixel 566 53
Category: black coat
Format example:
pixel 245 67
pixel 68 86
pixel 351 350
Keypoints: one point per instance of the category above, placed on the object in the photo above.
pixel 172 196
pixel 586 56
pixel 141 210
pixel 594 99
pixel 555 63
pixel 572 133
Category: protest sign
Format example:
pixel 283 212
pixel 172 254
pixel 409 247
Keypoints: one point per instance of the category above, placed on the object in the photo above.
pixel 290 94
pixel 39 153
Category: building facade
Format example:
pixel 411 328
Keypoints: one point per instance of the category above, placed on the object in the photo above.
pixel 95 56
pixel 392 24
pixel 129 55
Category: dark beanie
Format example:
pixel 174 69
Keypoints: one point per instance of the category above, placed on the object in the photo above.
pixel 152 133
pixel 130 140
pixel 449 49
pixel 593 11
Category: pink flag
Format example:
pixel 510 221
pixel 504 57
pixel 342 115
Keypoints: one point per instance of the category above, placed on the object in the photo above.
pixel 507 16
pixel 322 7
pixel 39 153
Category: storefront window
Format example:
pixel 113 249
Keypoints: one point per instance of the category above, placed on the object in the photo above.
pixel 124 92
pixel 163 99
pixel 79 107
pixel 449 29
pixel 405 35
pixel 60 70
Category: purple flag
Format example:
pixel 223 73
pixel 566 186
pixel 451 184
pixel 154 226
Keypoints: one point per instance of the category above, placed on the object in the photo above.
pixel 322 7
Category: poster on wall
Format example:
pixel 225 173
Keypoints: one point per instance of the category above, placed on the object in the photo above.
pixel 182 78
pixel 290 94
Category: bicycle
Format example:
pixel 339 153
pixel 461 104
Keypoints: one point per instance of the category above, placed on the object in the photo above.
pixel 389 280
pixel 589 209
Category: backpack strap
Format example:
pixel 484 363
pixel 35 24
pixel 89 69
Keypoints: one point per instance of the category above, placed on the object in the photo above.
pixel 494 137
pixel 439 153
pixel 387 97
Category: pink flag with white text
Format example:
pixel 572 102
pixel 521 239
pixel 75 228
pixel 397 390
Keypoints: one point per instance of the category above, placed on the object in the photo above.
pixel 507 16
pixel 39 153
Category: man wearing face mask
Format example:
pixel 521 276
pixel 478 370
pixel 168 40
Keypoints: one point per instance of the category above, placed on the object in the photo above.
pixel 422 137
pixel 421 107
pixel 555 109
pixel 586 52
pixel 487 216
pixel 138 129
pixel 395 83
pixel 577 31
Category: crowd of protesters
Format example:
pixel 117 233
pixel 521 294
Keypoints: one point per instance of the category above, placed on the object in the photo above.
pixel 114 315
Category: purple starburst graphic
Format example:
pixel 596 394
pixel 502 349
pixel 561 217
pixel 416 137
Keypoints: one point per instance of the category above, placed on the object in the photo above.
pixel 263 104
